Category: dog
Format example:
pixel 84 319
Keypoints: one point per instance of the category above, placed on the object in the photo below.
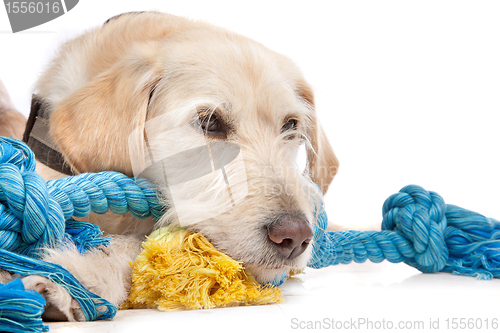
pixel 149 88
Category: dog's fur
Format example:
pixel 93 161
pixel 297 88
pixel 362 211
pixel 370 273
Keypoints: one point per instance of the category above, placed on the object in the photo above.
pixel 154 73
pixel 11 122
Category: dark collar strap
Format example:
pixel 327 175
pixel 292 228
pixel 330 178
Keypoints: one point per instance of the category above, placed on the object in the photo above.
pixel 38 138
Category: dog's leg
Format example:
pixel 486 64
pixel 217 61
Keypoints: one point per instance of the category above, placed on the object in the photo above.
pixel 60 306
pixel 12 123
pixel 105 272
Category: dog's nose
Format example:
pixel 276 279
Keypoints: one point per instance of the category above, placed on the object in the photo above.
pixel 292 236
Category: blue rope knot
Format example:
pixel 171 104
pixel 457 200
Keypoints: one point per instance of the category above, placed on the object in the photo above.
pixel 35 215
pixel 33 220
pixel 419 216
pixel 418 228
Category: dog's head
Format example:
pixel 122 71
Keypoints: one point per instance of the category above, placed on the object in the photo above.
pixel 217 121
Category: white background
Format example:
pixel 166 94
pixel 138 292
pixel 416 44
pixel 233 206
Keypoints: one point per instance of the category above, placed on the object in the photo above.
pixel 408 91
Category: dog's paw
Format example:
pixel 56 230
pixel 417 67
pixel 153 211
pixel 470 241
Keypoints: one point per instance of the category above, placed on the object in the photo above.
pixel 60 305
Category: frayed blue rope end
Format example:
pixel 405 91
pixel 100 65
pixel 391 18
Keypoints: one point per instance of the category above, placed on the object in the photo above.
pixel 84 235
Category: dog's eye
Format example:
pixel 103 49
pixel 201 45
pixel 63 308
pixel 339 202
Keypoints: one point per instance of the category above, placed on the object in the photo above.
pixel 290 125
pixel 210 124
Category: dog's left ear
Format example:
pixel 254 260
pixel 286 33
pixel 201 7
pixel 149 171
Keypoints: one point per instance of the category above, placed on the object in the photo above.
pixel 322 162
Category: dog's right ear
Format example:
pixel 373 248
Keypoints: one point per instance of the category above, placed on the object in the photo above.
pixel 92 125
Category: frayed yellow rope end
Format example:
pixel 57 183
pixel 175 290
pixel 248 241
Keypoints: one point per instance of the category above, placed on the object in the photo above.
pixel 181 270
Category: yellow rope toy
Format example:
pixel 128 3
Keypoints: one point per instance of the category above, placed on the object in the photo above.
pixel 181 270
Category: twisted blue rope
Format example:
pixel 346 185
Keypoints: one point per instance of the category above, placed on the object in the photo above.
pixel 418 228
pixel 35 215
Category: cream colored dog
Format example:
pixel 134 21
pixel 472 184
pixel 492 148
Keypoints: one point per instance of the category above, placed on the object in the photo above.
pixel 149 87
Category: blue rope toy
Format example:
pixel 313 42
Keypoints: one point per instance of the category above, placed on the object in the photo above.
pixel 35 214
pixel 418 228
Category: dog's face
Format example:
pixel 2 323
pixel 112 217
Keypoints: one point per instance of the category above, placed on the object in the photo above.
pixel 151 110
